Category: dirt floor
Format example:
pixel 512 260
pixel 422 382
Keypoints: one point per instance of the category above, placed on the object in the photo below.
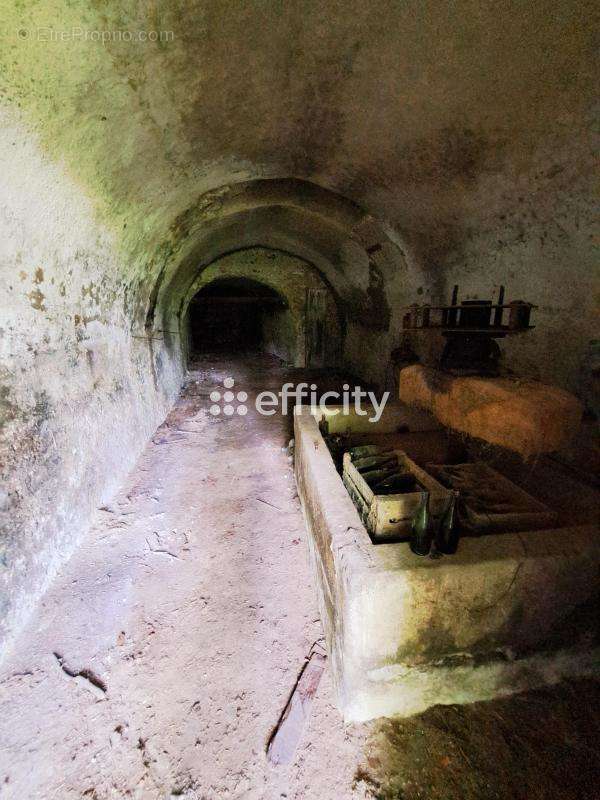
pixel 160 660
pixel 541 745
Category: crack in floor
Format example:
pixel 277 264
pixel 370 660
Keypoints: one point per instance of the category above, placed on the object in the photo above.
pixel 85 673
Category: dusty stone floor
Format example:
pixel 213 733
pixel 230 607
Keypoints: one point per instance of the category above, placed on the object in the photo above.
pixel 191 601
pixel 162 656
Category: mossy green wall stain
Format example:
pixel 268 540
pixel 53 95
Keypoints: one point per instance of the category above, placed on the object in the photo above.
pixel 465 129
pixel 405 131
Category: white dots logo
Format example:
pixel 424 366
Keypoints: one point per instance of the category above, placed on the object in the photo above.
pixel 227 398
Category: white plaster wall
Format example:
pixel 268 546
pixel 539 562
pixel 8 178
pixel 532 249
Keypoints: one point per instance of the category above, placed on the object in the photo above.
pixel 80 393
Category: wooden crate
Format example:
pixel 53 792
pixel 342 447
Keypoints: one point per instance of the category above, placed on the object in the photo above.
pixel 480 487
pixel 389 517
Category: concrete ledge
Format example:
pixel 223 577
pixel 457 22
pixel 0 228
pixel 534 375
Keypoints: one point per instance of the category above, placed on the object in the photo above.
pixel 405 690
pixel 526 417
pixel 394 417
pixel 405 632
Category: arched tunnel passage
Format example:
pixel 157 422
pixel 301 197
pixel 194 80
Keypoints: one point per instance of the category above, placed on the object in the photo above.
pixel 263 300
pixel 238 315
pixel 395 154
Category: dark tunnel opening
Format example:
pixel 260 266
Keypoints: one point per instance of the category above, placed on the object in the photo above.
pixel 234 315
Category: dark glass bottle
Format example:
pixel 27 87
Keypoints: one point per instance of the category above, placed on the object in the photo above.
pixel 446 537
pixel 421 534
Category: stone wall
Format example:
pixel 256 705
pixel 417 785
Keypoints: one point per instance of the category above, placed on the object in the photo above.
pixel 405 632
pixel 81 391
pixel 290 277
pixel 464 155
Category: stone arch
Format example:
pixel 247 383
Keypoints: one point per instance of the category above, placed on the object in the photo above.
pixel 293 279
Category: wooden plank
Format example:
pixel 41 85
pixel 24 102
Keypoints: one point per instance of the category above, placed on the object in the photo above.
pixel 357 479
pixel 394 513
pixel 361 506
pixel 284 740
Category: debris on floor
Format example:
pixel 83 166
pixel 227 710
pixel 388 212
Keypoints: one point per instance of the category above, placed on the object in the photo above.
pixel 284 740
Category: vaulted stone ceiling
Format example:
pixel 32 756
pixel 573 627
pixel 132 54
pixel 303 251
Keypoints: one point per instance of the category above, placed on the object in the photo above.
pixel 445 120
pixel 398 147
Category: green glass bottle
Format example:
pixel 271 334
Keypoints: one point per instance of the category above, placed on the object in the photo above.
pixel 364 450
pixel 446 537
pixel 421 534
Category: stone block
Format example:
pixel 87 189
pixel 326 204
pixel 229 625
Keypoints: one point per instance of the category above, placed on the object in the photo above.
pixel 405 632
pixel 526 417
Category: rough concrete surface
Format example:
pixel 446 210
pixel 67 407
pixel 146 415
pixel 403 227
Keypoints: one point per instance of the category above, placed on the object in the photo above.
pixel 81 391
pixel 462 135
pixel 290 277
pixel 499 616
pixel 537 746
pixel 165 651
pixel 398 148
